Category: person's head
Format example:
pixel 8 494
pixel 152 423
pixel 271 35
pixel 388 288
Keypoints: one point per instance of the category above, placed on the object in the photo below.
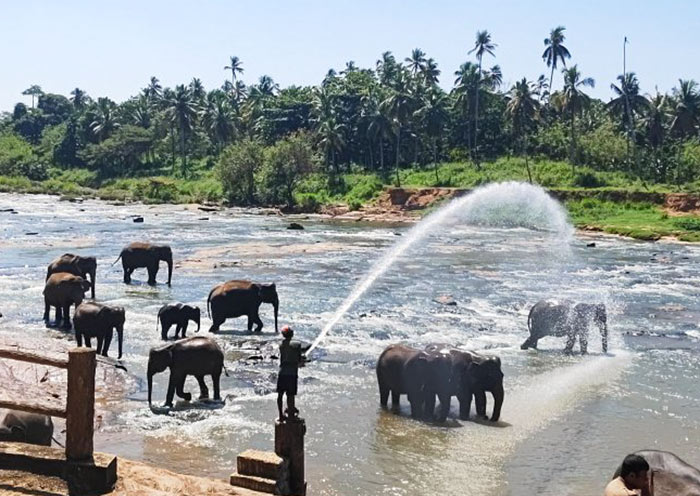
pixel 287 332
pixel 634 471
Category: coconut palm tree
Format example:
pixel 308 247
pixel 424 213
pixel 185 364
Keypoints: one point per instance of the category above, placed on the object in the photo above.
pixel 555 51
pixel 397 106
pixel 141 114
pixel 239 92
pixel 466 82
pixel 656 118
pixel 522 109
pixel 627 103
pixel 430 72
pixel 153 91
pixel 236 68
pixel 331 136
pixel 542 88
pixel 197 90
pixel 181 112
pixel 482 46
pixel 79 99
pixel 433 116
pixel 574 100
pixel 267 86
pixel 105 121
pixel 493 78
pixel 417 61
pixel 686 111
pixel 218 119
pixel 379 127
pixel 387 68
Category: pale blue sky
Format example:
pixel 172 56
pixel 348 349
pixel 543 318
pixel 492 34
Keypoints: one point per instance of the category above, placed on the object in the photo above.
pixel 113 48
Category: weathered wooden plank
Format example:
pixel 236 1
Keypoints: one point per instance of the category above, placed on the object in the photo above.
pixel 29 356
pixel 34 407
pixel 80 404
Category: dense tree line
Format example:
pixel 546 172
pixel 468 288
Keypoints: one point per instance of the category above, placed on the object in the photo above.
pixel 380 119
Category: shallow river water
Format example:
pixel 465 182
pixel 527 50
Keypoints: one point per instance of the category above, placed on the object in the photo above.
pixel 566 422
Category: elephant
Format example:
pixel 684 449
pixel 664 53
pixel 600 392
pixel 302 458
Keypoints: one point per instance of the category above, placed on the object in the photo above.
pixel 76 265
pixel 197 356
pixel 145 255
pixel 403 370
pixel 671 475
pixel 177 314
pixel 566 318
pixel 97 320
pixel 61 291
pixel 472 375
pixel 238 298
pixel 24 427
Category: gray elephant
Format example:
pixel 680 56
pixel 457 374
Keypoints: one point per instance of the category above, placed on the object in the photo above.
pixel 61 291
pixel 178 314
pixel 76 265
pixel 403 370
pixel 671 475
pixel 237 298
pixel 472 375
pixel 566 318
pixel 96 320
pixel 147 255
pixel 197 356
pixel 23 427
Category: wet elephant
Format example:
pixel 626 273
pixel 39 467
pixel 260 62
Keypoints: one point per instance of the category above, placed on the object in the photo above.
pixel 96 320
pixel 472 376
pixel 138 255
pixel 76 265
pixel 566 318
pixel 23 427
pixel 403 370
pixel 61 291
pixel 238 298
pixel 178 314
pixel 671 475
pixel 197 356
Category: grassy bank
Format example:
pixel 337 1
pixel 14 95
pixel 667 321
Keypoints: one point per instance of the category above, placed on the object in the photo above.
pixel 595 200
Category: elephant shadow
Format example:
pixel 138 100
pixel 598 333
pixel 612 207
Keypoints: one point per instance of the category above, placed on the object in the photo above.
pixel 182 406
pixel 500 424
pixel 234 332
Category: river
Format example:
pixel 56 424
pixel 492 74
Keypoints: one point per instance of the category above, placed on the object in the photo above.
pixel 566 423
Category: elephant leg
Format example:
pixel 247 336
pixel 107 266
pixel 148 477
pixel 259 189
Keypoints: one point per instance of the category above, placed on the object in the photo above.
pixel 428 406
pixel 216 323
pixel 465 405
pixel 100 342
pixel 583 341
pixel 395 399
pixel 258 322
pixel 171 390
pixel 127 272
pixel 216 380
pixel 383 395
pixel 47 311
pixel 107 342
pixel 164 332
pixel 250 323
pixel 79 338
pixel 152 272
pixel 88 341
pixel 416 404
pixel 203 389
pixel 183 328
pixel 480 400
pixel 180 388
pixel 444 406
pixel 570 340
pixel 66 316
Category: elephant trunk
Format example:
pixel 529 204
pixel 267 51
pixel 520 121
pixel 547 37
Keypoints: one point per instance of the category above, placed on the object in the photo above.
pixel 197 321
pixel 120 336
pixel 498 395
pixel 92 282
pixel 276 305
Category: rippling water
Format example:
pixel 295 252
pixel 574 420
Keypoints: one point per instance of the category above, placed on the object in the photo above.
pixel 566 421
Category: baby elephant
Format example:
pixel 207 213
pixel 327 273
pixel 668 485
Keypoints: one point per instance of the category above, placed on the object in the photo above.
pixel 96 320
pixel 178 314
pixel 23 427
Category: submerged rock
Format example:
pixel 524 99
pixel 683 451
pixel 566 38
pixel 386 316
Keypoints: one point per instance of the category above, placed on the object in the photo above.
pixel 295 226
pixel 446 300
pixel 138 219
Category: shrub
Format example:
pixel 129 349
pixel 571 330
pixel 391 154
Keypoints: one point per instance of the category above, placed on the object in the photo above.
pixel 688 223
pixel 588 179
pixel 237 168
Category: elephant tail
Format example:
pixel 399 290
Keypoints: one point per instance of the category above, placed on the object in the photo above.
pixel 225 370
pixel 120 256
pixel 209 302
pixel 529 320
pixel 158 318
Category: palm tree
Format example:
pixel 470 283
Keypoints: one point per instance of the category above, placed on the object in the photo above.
pixel 433 116
pixel 397 106
pixel 416 62
pixel 332 139
pixel 493 78
pixel 686 112
pixel 141 112
pixel 483 45
pixel 574 100
pixel 239 92
pixel 387 68
pixel 350 66
pixel 197 90
pixel 522 109
pixel 431 72
pixel 267 86
pixel 154 91
pixel 555 51
pixel 236 68
pixel 465 85
pixel 655 119
pixel 181 111
pixel 218 119
pixel 79 98
pixel 542 88
pixel 627 103
pixel 33 90
pixel 105 121
pixel 379 127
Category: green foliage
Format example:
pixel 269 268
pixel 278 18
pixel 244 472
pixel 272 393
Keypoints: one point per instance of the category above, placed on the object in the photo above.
pixel 123 152
pixel 689 167
pixel 286 163
pixel 18 159
pixel 237 168
pixel 688 223
pixel 588 179
pixel 604 148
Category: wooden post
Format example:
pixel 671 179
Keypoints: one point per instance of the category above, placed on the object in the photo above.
pixel 289 444
pixel 80 404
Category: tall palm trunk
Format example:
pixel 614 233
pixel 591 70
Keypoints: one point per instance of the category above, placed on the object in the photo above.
pixel 573 141
pixel 551 80
pixel 398 152
pixel 371 156
pixel 183 153
pixel 381 153
pixel 172 147
pixel 476 119
pixel 437 178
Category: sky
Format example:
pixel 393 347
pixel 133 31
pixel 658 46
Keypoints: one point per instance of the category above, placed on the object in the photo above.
pixel 111 48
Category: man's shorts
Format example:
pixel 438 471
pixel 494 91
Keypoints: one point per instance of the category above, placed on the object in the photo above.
pixel 287 384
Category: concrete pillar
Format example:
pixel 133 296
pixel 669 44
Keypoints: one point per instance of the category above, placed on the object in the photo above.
pixel 289 444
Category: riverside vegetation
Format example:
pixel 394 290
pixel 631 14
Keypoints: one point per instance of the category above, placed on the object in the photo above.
pixel 361 129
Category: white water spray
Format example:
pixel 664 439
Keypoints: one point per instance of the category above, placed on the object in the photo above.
pixel 509 204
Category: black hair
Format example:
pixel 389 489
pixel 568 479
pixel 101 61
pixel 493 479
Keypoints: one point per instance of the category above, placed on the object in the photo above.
pixel 633 464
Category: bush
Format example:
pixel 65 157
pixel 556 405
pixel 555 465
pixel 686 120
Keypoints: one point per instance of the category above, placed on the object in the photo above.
pixel 588 179
pixel 688 223
pixel 237 168
pixel 604 148
pixel 18 159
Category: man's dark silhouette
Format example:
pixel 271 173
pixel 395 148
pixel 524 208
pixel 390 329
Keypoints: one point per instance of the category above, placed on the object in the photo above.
pixel 291 358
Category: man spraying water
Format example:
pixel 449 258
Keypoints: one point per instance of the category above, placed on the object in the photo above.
pixel 291 358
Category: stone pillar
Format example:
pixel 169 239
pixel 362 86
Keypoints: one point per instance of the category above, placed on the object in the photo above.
pixel 80 404
pixel 289 444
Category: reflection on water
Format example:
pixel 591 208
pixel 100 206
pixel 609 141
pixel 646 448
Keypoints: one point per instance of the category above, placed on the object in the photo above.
pixel 558 410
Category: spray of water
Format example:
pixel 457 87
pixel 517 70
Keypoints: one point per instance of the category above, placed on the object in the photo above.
pixel 509 204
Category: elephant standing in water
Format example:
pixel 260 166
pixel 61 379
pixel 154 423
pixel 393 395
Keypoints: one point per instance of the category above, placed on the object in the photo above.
pixel 472 375
pixel 76 265
pixel 177 314
pixel 146 255
pixel 238 298
pixel 671 475
pixel 23 427
pixel 61 291
pixel 99 321
pixel 566 318
pixel 197 356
